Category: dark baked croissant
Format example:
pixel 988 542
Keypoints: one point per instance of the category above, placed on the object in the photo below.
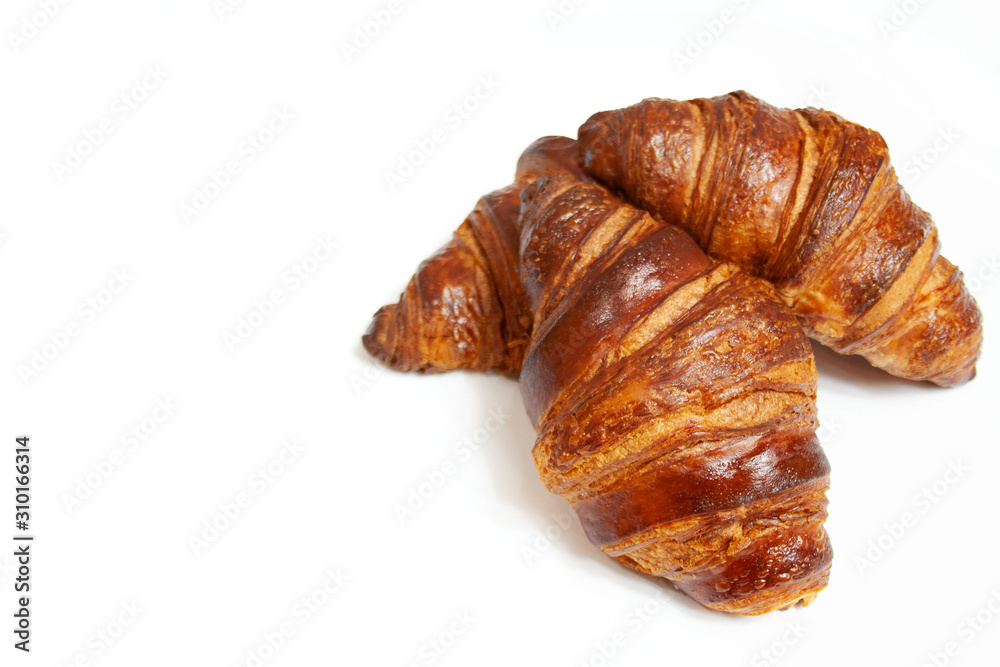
pixel 810 202
pixel 673 394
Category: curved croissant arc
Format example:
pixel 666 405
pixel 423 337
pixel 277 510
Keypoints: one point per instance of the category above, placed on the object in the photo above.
pixel 464 308
pixel 673 394
pixel 810 202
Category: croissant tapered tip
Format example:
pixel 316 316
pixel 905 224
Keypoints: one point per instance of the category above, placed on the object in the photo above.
pixel 952 332
pixel 778 572
pixel 967 337
pixel 939 339
pixel 376 339
pixel 952 379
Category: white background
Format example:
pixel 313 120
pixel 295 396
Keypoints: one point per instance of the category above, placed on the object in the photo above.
pixel 370 436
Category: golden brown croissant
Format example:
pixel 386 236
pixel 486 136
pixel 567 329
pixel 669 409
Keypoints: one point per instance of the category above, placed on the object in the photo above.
pixel 464 307
pixel 810 202
pixel 673 394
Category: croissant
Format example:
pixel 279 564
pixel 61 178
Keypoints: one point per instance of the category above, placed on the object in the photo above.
pixel 464 307
pixel 673 394
pixel 810 202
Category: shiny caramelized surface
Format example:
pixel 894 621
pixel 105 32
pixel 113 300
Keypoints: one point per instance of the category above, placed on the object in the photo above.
pixel 810 202
pixel 673 394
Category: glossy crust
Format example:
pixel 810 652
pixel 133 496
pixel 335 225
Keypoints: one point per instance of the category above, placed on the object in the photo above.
pixel 673 394
pixel 674 398
pixel 810 202
pixel 464 307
